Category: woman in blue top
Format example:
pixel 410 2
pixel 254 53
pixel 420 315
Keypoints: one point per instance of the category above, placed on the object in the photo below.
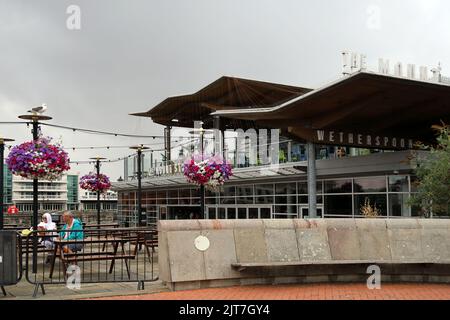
pixel 72 224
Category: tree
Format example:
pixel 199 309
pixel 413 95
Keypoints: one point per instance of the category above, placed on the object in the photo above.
pixel 433 173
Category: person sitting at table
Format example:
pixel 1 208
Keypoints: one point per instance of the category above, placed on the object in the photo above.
pixel 47 225
pixel 71 224
pixel 47 238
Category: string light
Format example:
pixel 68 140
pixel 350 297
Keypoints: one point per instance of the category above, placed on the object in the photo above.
pixel 91 131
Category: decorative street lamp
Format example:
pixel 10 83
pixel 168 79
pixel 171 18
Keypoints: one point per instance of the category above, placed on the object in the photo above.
pixel 2 160
pixel 35 117
pixel 202 132
pixel 97 167
pixel 139 179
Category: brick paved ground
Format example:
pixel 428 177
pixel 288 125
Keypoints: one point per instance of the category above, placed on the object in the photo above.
pixel 307 292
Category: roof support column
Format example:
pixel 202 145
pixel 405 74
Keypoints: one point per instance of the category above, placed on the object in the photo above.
pixel 312 182
pixel 167 146
pixel 218 137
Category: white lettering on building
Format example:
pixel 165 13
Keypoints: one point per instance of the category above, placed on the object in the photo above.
pixel 354 62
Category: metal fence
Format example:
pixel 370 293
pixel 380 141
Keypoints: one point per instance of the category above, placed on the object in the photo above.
pixel 76 257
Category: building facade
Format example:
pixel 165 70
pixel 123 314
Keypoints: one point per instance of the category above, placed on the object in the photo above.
pixel 7 187
pixel 345 185
pixel 88 201
pixel 52 196
pixel 345 147
pixel 73 199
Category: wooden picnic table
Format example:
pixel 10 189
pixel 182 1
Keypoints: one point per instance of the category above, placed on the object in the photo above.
pixel 139 238
pixel 102 225
pixel 75 257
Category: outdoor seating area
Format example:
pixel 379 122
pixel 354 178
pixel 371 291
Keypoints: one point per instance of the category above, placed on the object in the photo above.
pixel 105 253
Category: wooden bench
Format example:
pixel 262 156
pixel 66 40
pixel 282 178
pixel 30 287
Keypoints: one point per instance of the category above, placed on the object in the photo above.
pixel 100 226
pixel 241 266
pixel 25 245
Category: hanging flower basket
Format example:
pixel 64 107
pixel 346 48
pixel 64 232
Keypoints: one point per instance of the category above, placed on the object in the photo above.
pixel 96 183
pixel 38 159
pixel 211 172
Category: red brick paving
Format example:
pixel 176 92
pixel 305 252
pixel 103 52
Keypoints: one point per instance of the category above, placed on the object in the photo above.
pixel 305 292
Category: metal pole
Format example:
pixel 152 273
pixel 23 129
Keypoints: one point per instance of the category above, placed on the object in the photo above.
pixel 139 178
pixel 312 183
pixel 167 141
pixel 98 195
pixel 2 155
pixel 202 187
pixel 35 204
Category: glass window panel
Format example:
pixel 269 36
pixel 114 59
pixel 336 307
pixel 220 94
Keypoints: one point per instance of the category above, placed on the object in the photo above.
pixel 286 200
pixel 377 200
pixel 338 205
pixel 286 209
pixel 304 199
pixel 265 213
pixel 231 213
pixel 244 200
pixel 195 192
pixel 173 196
pixel 212 213
pixel 338 186
pixel 398 205
pixel 285 188
pixel 172 193
pixel 161 197
pixel 243 191
pixel 302 187
pixel 210 200
pixel 185 193
pixel 228 192
pixel 228 200
pixel 184 201
pixel 161 194
pixel 221 213
pixel 253 213
pixel 264 200
pixel 398 184
pixel 371 184
pixel 319 186
pixel 242 213
pixel 264 189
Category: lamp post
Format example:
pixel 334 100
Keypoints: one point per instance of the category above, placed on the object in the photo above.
pixel 202 187
pixel 35 118
pixel 97 167
pixel 139 179
pixel 2 160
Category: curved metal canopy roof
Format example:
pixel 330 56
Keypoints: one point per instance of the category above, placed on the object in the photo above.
pixel 363 102
pixel 223 94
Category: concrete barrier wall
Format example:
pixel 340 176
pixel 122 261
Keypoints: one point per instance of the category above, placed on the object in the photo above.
pixel 183 266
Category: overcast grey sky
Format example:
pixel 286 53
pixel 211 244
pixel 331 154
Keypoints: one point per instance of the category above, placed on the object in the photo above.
pixel 130 55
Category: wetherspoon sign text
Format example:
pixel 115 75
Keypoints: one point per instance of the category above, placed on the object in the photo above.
pixel 364 140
